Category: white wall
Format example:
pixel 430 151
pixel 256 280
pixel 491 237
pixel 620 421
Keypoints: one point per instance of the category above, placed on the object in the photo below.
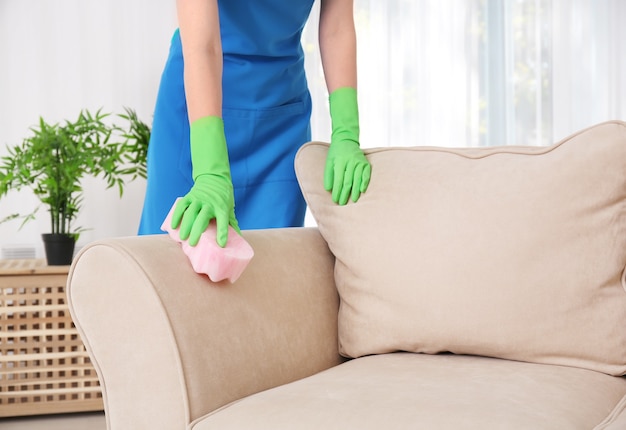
pixel 58 57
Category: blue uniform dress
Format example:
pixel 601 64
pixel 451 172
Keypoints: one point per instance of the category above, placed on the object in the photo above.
pixel 266 112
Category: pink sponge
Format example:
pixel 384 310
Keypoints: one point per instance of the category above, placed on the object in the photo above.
pixel 208 257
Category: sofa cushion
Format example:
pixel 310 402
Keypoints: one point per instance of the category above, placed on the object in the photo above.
pixel 406 391
pixel 510 252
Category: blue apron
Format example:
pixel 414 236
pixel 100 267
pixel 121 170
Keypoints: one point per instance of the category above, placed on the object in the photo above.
pixel 266 112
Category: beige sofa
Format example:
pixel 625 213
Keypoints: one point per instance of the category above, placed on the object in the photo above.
pixel 467 289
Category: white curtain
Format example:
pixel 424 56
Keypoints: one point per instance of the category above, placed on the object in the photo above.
pixel 431 72
pixel 482 72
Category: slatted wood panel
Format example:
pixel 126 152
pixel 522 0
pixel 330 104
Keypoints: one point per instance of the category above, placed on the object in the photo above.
pixel 44 367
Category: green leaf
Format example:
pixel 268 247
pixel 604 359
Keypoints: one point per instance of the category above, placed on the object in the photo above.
pixel 54 159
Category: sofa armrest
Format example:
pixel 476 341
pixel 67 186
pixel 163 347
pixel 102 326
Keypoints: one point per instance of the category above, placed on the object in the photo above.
pixel 170 346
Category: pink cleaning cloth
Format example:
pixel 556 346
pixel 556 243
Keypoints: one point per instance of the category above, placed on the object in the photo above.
pixel 208 257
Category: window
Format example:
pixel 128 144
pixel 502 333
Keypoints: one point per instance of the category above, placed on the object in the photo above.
pixel 480 72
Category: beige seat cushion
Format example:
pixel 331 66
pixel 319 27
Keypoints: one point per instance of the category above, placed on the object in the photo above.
pixel 512 252
pixel 444 392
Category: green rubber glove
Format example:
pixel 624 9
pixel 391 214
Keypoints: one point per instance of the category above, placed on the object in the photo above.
pixel 347 172
pixel 212 195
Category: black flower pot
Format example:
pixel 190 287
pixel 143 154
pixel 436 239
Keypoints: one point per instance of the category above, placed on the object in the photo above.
pixel 59 248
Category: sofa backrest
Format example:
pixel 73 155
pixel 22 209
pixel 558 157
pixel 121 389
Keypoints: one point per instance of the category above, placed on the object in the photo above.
pixel 510 252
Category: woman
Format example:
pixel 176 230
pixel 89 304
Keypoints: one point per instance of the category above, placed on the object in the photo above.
pixel 227 125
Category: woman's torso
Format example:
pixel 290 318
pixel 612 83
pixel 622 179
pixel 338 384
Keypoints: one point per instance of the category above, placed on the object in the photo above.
pixel 263 56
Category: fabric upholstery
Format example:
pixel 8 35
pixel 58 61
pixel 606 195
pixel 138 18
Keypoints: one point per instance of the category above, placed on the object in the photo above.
pixel 514 253
pixel 510 252
pixel 170 346
pixel 418 391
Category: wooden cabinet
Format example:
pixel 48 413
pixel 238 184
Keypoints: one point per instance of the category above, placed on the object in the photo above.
pixel 44 367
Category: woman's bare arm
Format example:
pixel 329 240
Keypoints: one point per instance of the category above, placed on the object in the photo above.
pixel 199 25
pixel 337 39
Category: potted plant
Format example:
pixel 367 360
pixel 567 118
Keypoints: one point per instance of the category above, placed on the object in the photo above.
pixel 56 157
